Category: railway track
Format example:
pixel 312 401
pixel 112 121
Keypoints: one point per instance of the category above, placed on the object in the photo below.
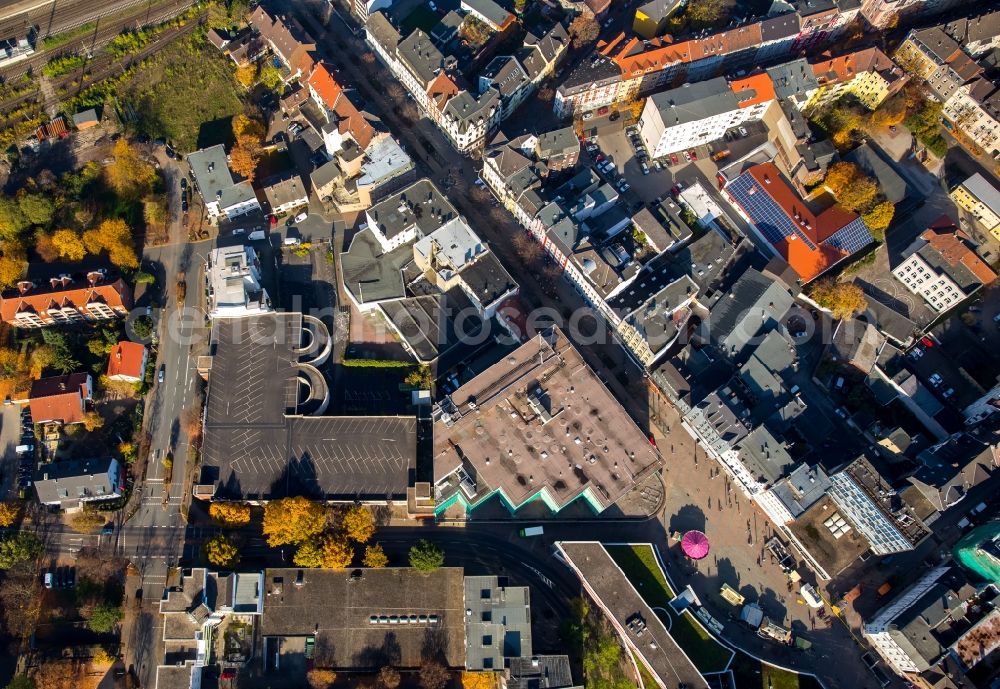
pixel 145 14
pixel 100 69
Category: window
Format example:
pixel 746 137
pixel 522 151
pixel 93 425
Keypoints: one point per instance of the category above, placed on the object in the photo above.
pixel 487 640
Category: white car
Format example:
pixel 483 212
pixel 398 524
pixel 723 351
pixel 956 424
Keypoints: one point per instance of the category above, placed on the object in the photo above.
pixel 301 216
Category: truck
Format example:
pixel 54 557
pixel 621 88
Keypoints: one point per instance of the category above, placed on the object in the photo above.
pixel 532 531
pixel 256 235
pixel 721 155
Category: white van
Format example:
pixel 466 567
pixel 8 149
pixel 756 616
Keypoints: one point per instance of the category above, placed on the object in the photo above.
pixel 256 235
pixel 301 216
pixel 292 241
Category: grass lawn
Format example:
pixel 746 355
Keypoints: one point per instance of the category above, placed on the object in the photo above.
pixel 647 676
pixel 774 678
pixel 640 566
pixel 185 94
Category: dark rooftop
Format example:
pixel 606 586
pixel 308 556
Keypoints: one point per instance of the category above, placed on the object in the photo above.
pixel 338 606
pixel 259 441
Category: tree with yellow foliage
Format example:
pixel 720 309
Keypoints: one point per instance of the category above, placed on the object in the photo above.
pixel 292 520
pixel 8 513
pixel 12 267
pixel 843 299
pixel 93 421
pixel 230 514
pixel 129 175
pixel 320 678
pixel 243 159
pixel 69 244
pixel 244 126
pixel 479 680
pixel 246 75
pixel 358 524
pixel 327 551
pixel 878 218
pixel 853 190
pixel 221 552
pixel 115 237
pixel 374 557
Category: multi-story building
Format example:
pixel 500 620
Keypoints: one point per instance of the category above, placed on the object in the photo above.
pixel 65 300
pixel 938 59
pixel 489 12
pixel 430 75
pixel 977 196
pixel 72 484
pixel 810 243
pixel 651 17
pixel 884 14
pixel 865 499
pixel 977 35
pixel 286 37
pixel 942 267
pixel 233 283
pixel 61 399
pixel 867 74
pixel 974 110
pixel 220 191
pixel 698 113
pixel 903 632
pixel 625 69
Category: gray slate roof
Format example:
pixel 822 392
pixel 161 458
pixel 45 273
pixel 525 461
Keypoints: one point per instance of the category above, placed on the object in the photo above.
pixel 694 102
pixel 69 482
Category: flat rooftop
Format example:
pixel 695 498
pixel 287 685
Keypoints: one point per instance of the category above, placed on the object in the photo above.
pixel 834 546
pixel 611 588
pixel 541 423
pixel 265 433
pixel 338 606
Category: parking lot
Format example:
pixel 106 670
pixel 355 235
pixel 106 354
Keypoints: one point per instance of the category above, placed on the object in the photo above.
pixel 16 469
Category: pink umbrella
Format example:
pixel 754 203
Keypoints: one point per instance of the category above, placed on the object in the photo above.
pixel 695 545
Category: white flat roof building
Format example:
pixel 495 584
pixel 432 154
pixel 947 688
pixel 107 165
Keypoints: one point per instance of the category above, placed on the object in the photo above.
pixel 233 283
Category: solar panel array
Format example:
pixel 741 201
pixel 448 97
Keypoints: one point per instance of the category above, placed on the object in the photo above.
pixel 766 214
pixel 854 236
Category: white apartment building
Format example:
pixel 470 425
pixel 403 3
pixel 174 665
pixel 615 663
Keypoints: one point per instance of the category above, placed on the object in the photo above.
pixel 941 267
pixel 233 283
pixel 220 191
pixel 882 633
pixel 693 114
pixel 974 109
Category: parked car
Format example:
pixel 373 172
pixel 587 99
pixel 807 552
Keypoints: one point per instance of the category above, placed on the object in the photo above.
pixel 184 183
pixel 301 216
pixel 163 370
pixel 48 579
pixel 645 167
pixel 673 157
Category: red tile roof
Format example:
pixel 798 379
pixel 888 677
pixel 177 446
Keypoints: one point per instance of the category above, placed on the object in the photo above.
pixel 60 398
pixel 805 261
pixel 126 360
pixel 326 87
pixel 115 295
pixel 950 242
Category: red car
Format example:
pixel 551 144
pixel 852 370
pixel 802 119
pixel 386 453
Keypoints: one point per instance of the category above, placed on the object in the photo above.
pixel 694 156
pixel 599 158
pixel 927 342
pixel 673 157
pixel 602 111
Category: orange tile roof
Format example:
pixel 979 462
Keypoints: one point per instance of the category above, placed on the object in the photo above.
pixel 949 241
pixel 60 398
pixel 441 90
pixel 753 90
pixel 805 261
pixel 326 87
pixel 115 295
pixel 126 359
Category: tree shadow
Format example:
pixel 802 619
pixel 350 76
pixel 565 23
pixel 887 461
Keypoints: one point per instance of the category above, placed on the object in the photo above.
pixel 688 518
pixel 435 645
pixel 390 653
